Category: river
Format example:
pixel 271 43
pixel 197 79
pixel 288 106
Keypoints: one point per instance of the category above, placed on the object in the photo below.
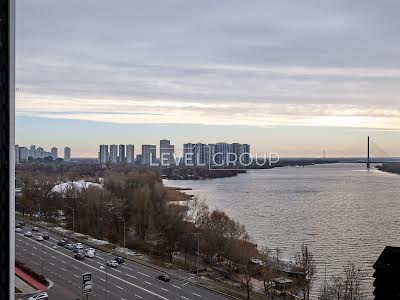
pixel 343 211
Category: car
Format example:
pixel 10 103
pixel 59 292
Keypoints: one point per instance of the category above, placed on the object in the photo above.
pixel 39 238
pixel 79 255
pixel 61 243
pixel 65 239
pixel 119 259
pixel 89 253
pixel 22 223
pixel 112 263
pixel 45 235
pixel 69 246
pixel 78 247
pixel 91 249
pixel 28 234
pixel 35 228
pixel 18 225
pixel 163 277
pixel 39 296
pixel 18 229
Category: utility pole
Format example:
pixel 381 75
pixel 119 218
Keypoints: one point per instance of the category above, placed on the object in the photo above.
pixel 123 220
pixel 368 162
pixel 73 219
pixel 198 252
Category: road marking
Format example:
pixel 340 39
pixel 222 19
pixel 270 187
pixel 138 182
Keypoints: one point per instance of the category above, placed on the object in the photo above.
pixel 25 250
pixel 176 286
pixel 123 298
pixel 138 296
pixel 51 263
pixel 143 274
pixel 183 297
pixel 116 270
pixel 63 262
pixel 130 275
pixel 53 257
pixel 100 257
pixel 106 291
pixel 164 289
pixel 127 268
pixel 102 279
pixel 63 269
pixel 75 267
pixel 76 276
pixel 34 248
pixel 119 287
pixel 149 283
pixel 17 246
pixel 111 275
pixel 196 295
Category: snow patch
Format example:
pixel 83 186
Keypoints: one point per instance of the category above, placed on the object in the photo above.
pixel 97 242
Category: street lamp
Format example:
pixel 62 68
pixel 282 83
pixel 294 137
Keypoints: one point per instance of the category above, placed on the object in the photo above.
pixel 198 251
pixel 123 220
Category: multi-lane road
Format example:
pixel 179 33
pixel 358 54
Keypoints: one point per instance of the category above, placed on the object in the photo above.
pixel 128 281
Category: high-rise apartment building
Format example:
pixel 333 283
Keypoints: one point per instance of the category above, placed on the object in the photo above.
pixel 32 151
pixel 23 154
pixel 16 154
pixel 166 152
pixel 54 153
pixel 121 156
pixel 113 154
pixel 103 154
pixel 149 154
pixel 200 154
pixel 67 154
pixel 130 154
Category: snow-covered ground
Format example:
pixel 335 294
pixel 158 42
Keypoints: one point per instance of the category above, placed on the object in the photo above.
pixel 79 185
pixel 97 242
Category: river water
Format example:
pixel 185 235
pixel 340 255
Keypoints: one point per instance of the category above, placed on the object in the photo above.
pixel 343 211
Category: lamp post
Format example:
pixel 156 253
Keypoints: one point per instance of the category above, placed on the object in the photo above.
pixel 123 220
pixel 198 252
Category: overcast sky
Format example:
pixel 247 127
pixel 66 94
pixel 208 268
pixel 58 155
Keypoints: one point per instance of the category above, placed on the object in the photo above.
pixel 261 72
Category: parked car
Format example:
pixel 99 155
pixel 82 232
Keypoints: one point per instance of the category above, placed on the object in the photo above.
pixel 45 235
pixel 163 277
pixel 35 228
pixel 39 238
pixel 69 246
pixel 61 243
pixel 17 229
pixel 89 253
pixel 112 263
pixel 79 255
pixel 78 247
pixel 119 259
pixel 28 234
pixel 39 296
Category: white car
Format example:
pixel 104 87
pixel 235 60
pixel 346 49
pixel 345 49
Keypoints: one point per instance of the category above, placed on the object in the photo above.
pixel 112 263
pixel 91 249
pixel 35 228
pixel 39 296
pixel 18 229
pixel 89 253
pixel 28 234
pixel 78 247
pixel 39 238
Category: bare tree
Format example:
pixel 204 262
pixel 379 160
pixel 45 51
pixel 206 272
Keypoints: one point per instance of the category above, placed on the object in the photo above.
pixel 307 265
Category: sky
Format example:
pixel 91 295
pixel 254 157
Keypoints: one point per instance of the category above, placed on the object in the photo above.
pixel 293 77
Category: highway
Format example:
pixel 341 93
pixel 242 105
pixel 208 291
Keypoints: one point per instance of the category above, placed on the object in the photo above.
pixel 128 281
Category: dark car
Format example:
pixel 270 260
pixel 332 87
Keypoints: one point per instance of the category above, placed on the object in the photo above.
pixel 22 223
pixel 79 255
pixel 61 243
pixel 163 277
pixel 65 240
pixel 18 225
pixel 119 260
pixel 45 235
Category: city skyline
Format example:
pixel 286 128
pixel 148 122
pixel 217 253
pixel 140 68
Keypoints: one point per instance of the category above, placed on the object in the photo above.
pixel 266 80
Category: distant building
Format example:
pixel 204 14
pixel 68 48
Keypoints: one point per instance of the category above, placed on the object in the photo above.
pixel 54 153
pixel 200 154
pixel 121 156
pixel 246 156
pixel 16 154
pixel 149 154
pixel 113 154
pixel 103 154
pixel 130 154
pixel 166 152
pixel 67 154
pixel 32 151
pixel 221 153
pixel 387 274
pixel 188 158
pixel 23 154
pixel 139 159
